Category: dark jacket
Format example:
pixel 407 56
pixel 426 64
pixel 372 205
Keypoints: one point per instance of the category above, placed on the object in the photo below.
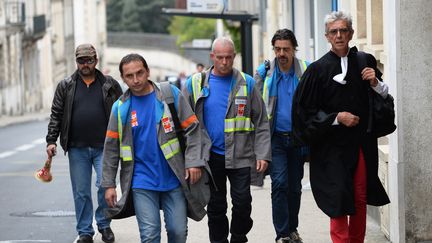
pixel 61 108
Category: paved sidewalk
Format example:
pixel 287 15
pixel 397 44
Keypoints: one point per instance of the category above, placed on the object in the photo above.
pixel 12 120
pixel 314 225
pixel 313 228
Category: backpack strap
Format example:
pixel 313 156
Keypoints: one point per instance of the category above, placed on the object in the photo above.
pixel 361 60
pixel 362 63
pixel 168 97
pixel 267 67
pixel 203 76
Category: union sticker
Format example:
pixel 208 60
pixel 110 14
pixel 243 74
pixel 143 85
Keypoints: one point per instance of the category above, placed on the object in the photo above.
pixel 166 123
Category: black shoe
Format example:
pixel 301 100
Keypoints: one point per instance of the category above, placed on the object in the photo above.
pixel 85 239
pixel 295 237
pixel 107 235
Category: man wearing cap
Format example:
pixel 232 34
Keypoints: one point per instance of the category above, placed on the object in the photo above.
pixel 79 115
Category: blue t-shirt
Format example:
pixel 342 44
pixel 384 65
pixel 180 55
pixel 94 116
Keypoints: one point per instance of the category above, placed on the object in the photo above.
pixel 284 101
pixel 215 108
pixel 151 171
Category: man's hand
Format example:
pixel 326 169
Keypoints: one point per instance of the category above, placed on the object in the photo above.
pixel 51 150
pixel 369 74
pixel 347 119
pixel 111 197
pixel 261 165
pixel 193 174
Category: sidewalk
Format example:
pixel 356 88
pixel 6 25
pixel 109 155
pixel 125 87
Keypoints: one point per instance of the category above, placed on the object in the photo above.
pixel 12 120
pixel 313 228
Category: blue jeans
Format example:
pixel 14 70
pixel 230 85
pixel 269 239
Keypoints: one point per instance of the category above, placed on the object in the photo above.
pixel 286 172
pixel 81 161
pixel 147 205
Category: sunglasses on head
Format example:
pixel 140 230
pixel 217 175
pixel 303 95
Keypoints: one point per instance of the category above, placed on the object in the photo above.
pixel 85 60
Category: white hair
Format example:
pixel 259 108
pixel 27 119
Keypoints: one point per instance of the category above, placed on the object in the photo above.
pixel 338 15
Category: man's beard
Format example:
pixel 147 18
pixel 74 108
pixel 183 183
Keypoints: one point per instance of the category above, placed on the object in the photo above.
pixel 86 72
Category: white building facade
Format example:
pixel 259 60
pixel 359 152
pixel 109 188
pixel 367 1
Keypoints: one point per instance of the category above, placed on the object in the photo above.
pixel 37 45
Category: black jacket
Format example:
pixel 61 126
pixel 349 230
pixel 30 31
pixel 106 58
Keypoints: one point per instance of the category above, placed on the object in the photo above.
pixel 61 108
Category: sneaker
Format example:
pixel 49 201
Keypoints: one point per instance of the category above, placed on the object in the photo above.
pixel 284 240
pixel 295 237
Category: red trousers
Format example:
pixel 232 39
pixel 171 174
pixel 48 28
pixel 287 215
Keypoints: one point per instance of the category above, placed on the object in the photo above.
pixel 352 229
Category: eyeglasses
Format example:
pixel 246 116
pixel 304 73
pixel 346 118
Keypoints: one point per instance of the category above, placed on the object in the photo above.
pixel 335 31
pixel 283 49
pixel 85 61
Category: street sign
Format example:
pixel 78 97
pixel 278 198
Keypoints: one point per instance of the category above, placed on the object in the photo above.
pixel 206 6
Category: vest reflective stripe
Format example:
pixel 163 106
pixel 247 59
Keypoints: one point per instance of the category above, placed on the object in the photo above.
pixel 170 148
pixel 303 67
pixel 112 134
pixel 265 96
pixel 120 128
pixel 243 75
pixel 238 124
pixel 196 85
pixel 242 91
pixel 125 151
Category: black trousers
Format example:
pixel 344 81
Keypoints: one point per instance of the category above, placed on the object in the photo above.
pixel 241 222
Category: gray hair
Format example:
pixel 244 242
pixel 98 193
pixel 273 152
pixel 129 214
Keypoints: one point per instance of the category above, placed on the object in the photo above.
pixel 223 41
pixel 338 15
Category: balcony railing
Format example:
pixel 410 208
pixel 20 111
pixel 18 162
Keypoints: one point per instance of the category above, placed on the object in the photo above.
pixel 15 13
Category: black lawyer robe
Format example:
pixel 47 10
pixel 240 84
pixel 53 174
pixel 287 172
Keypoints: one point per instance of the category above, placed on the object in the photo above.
pixel 335 148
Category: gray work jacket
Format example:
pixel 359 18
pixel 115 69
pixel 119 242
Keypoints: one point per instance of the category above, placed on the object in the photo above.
pixel 246 128
pixel 196 154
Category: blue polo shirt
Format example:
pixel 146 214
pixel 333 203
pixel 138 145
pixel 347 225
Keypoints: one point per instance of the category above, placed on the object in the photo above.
pixel 215 108
pixel 285 89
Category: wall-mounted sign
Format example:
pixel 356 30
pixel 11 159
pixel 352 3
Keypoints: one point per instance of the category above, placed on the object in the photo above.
pixel 213 6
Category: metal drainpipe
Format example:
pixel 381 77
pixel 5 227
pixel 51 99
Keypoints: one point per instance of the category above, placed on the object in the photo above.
pixel 334 5
pixel 292 16
pixel 263 23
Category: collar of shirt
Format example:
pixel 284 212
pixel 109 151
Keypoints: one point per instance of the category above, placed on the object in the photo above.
pixel 287 75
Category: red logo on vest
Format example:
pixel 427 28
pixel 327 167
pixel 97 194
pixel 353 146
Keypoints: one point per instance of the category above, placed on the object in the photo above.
pixel 134 119
pixel 240 109
pixel 166 124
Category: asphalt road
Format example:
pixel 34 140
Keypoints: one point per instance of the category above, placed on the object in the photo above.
pixel 32 211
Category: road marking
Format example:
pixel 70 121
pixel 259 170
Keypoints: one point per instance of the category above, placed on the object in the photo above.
pixel 22 148
pixel 25 147
pixel 32 241
pixel 39 141
pixel 7 154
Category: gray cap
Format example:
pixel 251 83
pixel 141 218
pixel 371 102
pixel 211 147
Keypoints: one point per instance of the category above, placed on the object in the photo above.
pixel 85 50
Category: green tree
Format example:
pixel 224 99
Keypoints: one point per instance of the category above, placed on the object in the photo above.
pixel 138 15
pixel 189 28
pixel 114 15
pixel 151 18
pixel 130 17
pixel 235 34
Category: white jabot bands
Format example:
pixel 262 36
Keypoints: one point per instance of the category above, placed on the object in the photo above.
pixel 341 76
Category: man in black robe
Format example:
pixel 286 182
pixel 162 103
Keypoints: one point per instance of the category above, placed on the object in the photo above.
pixel 330 114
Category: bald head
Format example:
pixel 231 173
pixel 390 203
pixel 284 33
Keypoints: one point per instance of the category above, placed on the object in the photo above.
pixel 222 42
pixel 222 55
